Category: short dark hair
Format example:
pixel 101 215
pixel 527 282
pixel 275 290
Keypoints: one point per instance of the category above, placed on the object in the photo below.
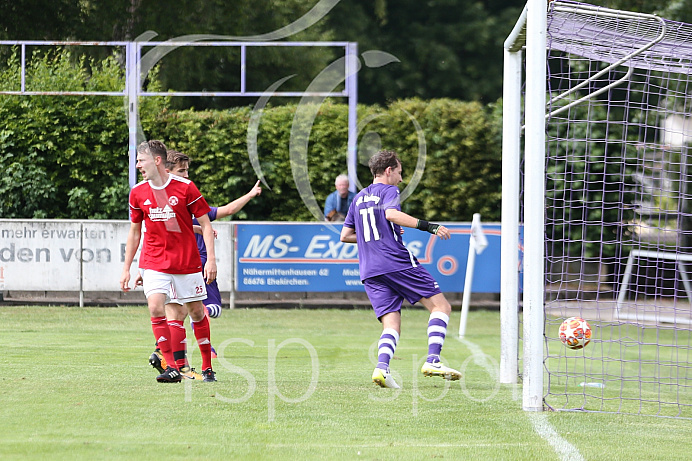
pixel 173 157
pixel 383 160
pixel 154 147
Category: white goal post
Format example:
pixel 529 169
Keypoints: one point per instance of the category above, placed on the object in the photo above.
pixel 530 32
pixel 603 187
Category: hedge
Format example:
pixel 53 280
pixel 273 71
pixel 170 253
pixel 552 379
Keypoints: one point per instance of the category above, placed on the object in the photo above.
pixel 462 155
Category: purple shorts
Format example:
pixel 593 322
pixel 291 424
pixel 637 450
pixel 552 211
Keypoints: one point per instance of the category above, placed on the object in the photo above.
pixel 388 291
pixel 213 293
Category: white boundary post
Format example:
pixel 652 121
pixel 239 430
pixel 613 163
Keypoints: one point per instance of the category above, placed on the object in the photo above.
pixel 352 90
pixel 132 88
pixel 534 204
pixel 81 264
pixel 509 254
pixel 468 281
pixel 234 266
pixel 477 243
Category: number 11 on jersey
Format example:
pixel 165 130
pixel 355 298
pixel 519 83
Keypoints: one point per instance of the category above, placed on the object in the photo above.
pixel 367 226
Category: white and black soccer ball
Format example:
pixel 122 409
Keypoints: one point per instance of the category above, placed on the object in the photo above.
pixel 213 310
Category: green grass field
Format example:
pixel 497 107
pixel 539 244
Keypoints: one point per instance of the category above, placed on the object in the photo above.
pixel 293 384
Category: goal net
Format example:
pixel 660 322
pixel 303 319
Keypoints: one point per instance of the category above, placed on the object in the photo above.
pixel 616 212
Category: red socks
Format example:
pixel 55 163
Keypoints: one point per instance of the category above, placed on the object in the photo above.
pixel 178 342
pixel 201 330
pixel 162 335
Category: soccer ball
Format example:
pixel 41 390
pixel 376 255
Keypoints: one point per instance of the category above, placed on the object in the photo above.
pixel 213 310
pixel 575 333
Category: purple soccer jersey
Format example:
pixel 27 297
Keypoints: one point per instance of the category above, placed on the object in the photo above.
pixel 380 248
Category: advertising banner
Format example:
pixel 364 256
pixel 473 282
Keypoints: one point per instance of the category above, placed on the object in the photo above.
pixel 69 255
pixel 59 255
pixel 310 257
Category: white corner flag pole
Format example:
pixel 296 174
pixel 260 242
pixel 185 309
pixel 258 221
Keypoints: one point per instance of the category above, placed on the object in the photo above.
pixel 477 243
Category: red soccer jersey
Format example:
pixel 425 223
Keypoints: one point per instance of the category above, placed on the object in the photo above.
pixel 169 240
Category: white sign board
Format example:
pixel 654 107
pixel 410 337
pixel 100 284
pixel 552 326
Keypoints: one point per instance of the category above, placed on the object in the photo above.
pixel 51 255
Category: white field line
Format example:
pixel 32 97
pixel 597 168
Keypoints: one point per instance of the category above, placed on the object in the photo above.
pixel 562 447
pixel 479 358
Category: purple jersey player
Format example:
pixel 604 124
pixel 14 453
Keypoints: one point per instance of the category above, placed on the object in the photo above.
pixel 390 272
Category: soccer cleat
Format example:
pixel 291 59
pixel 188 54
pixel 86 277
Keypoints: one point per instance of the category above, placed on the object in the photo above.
pixel 383 378
pixel 157 361
pixel 439 369
pixel 190 373
pixel 213 353
pixel 171 375
pixel 209 375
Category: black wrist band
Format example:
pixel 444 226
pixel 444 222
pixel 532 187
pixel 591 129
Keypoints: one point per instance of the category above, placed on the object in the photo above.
pixel 427 226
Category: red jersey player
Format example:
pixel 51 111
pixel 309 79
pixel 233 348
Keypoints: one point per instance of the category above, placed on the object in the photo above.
pixel 162 206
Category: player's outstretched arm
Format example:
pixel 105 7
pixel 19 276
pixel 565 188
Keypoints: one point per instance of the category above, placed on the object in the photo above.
pixel 133 237
pixel 238 204
pixel 208 234
pixel 406 220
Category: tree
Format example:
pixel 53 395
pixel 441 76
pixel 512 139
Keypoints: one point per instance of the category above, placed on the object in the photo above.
pixel 39 19
pixel 676 10
pixel 446 48
pixel 208 68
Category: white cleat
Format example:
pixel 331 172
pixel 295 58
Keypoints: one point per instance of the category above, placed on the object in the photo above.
pixel 384 379
pixel 439 369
